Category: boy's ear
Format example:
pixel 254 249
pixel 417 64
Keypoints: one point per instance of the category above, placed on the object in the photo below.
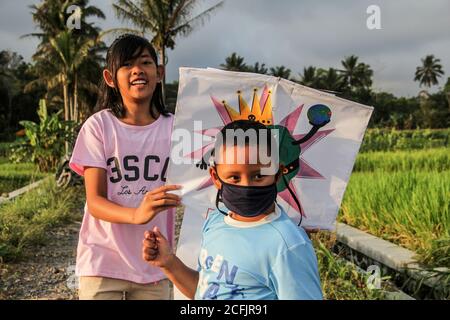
pixel 215 178
pixel 108 78
pixel 160 71
pixel 279 174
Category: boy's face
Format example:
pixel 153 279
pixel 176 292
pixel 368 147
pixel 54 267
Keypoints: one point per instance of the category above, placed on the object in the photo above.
pixel 243 173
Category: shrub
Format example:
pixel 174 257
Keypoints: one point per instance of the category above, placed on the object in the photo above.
pixel 45 141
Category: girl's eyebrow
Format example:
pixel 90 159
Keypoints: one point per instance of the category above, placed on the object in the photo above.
pixel 145 55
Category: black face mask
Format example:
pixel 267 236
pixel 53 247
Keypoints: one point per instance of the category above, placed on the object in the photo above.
pixel 247 201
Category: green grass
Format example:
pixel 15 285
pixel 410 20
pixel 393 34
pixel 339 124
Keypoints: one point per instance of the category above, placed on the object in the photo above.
pixel 15 176
pixel 25 221
pixel 403 197
pixel 391 139
pixel 340 279
pixel 419 160
pixel 5 148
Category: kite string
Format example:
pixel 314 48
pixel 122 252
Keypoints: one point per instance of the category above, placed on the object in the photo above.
pixel 295 199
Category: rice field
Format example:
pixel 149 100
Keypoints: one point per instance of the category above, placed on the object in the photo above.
pixel 403 197
pixel 400 161
pixel 15 176
pixel 385 139
pixel 400 195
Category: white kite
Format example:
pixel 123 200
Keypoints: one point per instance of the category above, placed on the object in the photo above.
pixel 319 136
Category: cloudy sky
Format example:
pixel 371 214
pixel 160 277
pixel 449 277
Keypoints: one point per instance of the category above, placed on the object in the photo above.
pixel 294 33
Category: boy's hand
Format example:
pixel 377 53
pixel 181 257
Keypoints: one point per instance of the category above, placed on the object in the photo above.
pixel 156 249
pixel 154 202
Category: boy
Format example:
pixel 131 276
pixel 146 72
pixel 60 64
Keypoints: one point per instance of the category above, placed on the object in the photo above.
pixel 250 248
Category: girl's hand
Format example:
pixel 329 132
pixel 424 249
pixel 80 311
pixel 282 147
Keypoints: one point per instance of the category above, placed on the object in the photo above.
pixel 156 249
pixel 154 202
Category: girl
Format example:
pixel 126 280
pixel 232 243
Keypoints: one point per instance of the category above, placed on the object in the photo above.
pixel 123 152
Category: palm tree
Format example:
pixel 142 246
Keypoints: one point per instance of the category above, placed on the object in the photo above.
pixel 350 70
pixel 257 68
pixel 330 80
pixel 51 17
pixel 365 75
pixel 356 74
pixel 309 77
pixel 72 52
pixel 281 72
pixel 430 70
pixel 234 63
pixel 165 19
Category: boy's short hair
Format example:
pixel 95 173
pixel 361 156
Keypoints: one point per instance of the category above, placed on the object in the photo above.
pixel 248 133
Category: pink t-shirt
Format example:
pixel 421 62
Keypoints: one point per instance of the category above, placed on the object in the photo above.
pixel 136 160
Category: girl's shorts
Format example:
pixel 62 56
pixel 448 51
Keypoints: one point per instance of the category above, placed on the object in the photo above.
pixel 101 288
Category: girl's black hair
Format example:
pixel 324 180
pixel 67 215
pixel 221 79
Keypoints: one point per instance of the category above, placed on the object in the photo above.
pixel 124 48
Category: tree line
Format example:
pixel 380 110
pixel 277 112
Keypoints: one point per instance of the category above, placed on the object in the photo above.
pixel 65 67
pixel 67 63
pixel 353 81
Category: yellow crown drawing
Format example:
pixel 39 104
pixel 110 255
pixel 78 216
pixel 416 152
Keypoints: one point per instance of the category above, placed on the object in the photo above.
pixel 256 113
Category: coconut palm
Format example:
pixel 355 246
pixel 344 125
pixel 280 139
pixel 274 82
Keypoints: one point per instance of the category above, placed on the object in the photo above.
pixel 365 75
pixel 356 74
pixel 72 52
pixel 280 71
pixel 164 19
pixel 330 80
pixel 257 68
pixel 234 63
pixel 350 70
pixel 430 70
pixel 51 17
pixel 309 77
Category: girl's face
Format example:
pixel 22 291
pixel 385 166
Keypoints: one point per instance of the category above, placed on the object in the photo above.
pixel 137 78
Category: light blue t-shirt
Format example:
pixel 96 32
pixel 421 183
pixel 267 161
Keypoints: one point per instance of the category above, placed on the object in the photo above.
pixel 265 260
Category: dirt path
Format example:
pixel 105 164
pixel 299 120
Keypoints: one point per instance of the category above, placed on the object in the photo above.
pixel 47 270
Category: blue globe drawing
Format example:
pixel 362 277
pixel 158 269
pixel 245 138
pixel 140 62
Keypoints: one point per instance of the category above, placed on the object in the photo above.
pixel 319 114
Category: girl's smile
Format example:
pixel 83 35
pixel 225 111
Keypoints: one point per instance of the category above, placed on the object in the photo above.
pixel 139 82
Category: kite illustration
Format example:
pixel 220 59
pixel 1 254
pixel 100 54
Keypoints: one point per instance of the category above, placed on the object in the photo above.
pixel 290 144
pixel 318 136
